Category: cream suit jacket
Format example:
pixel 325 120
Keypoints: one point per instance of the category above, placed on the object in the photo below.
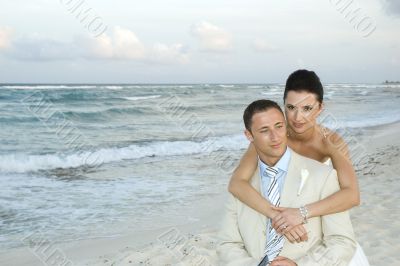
pixel 331 237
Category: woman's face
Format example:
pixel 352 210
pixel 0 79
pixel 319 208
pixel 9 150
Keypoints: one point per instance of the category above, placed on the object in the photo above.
pixel 301 109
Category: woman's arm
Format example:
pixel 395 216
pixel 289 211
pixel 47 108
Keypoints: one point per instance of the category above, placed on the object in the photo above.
pixel 240 186
pixel 349 195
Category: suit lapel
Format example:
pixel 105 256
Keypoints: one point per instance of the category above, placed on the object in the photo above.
pixel 261 232
pixel 256 183
pixel 292 181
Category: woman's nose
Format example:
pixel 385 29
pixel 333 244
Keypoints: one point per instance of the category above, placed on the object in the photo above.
pixel 297 115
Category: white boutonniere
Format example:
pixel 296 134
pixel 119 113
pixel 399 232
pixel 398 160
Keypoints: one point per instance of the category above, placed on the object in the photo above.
pixel 304 176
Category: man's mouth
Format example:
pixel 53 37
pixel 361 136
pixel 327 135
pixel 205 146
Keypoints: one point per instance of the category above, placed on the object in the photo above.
pixel 276 146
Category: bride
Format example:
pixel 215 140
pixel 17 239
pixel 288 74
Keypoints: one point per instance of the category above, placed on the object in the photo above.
pixel 303 99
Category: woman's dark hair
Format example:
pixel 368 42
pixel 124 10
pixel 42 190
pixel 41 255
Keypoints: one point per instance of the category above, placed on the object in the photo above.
pixel 304 80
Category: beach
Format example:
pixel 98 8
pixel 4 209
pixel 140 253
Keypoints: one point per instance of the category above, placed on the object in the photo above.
pixel 156 194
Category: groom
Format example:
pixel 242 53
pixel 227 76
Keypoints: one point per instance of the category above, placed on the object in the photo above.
pixel 290 180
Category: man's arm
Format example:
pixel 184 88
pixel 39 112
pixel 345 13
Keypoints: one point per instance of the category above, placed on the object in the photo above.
pixel 231 250
pixel 338 244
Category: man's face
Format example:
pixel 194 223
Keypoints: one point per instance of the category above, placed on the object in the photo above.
pixel 268 134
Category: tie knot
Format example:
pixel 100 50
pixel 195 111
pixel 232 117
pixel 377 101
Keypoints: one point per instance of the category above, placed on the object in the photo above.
pixel 271 171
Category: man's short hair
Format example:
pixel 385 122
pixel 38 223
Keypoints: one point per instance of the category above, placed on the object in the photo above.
pixel 258 107
pixel 304 80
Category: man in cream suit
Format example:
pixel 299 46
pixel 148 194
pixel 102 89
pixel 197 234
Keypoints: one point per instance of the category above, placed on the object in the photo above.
pixel 290 180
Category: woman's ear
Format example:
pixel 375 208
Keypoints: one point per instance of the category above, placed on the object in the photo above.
pixel 320 108
pixel 249 136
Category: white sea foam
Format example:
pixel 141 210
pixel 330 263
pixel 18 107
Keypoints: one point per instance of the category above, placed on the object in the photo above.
pixel 255 86
pixel 137 98
pixel 47 87
pixel 30 163
pixel 114 87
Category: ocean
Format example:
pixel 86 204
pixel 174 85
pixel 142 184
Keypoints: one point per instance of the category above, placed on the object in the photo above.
pixel 84 161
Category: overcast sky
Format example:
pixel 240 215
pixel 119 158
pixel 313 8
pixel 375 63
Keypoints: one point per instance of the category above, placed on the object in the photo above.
pixel 190 41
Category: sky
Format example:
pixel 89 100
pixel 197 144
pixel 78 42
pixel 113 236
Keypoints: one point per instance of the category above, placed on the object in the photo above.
pixel 191 41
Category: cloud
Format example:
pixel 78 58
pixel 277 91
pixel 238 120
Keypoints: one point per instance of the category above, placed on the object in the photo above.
pixel 5 37
pixel 263 46
pixel 212 38
pixel 34 48
pixel 167 54
pixel 121 44
pixel 392 6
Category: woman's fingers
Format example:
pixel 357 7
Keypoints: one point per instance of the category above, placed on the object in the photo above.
pixel 278 208
pixel 303 235
pixel 277 221
pixel 289 228
pixel 290 237
pixel 297 234
pixel 280 225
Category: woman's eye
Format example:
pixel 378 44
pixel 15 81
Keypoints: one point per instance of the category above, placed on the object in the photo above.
pixel 307 108
pixel 290 107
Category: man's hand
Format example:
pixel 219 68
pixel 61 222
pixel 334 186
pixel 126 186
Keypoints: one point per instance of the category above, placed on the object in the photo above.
pixel 282 261
pixel 297 234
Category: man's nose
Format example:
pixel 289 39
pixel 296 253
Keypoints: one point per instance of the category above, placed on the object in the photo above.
pixel 273 135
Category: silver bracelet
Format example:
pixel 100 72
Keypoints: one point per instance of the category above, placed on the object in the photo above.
pixel 304 213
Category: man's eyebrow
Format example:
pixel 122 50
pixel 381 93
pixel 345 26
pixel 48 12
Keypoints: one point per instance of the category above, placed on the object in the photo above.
pixel 264 127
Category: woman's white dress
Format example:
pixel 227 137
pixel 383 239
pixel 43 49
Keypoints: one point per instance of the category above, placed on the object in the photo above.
pixel 359 258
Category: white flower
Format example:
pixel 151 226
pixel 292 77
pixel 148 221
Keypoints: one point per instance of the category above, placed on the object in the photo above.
pixel 304 176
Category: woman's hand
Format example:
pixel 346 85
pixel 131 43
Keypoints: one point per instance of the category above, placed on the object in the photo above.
pixel 297 234
pixel 286 220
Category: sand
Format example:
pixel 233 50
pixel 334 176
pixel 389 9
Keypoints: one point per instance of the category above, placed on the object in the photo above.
pixel 376 223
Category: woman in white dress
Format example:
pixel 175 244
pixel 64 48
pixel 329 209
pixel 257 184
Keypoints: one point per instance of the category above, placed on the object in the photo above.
pixel 303 99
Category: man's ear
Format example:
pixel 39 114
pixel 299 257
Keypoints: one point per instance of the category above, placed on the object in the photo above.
pixel 249 136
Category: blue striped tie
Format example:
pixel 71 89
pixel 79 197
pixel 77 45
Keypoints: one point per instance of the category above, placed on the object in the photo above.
pixel 274 240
